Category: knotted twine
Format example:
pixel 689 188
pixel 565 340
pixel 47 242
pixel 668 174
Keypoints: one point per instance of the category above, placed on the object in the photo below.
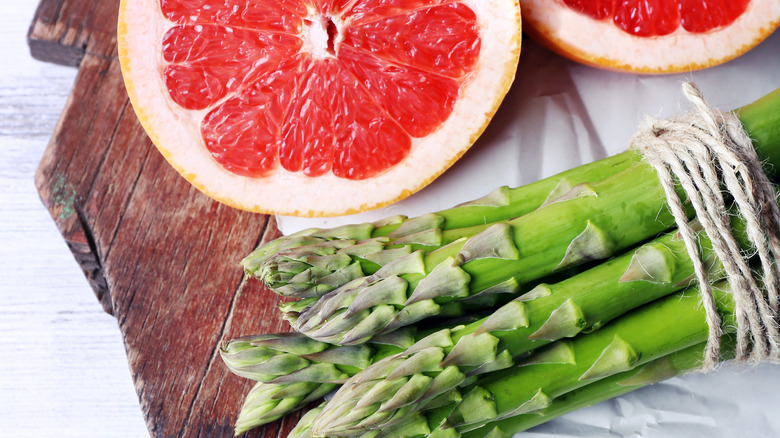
pixel 705 151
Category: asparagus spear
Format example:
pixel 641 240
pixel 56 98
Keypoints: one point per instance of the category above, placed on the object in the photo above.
pixel 292 357
pixel 267 402
pixel 501 204
pixel 761 120
pixel 675 364
pixel 292 370
pixel 638 337
pixel 303 428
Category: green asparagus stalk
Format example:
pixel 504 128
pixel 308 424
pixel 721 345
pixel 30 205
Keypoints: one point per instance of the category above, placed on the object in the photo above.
pixel 587 222
pixel 267 402
pixel 680 362
pixel 761 120
pixel 650 332
pixel 677 363
pixel 292 357
pixel 303 428
pixel 501 204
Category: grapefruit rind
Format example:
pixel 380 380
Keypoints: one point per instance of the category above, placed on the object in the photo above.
pixel 602 44
pixel 176 131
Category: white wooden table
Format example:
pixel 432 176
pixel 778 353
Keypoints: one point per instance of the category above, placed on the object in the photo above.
pixel 63 369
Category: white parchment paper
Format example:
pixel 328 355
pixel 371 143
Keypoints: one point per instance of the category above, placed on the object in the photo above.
pixel 558 115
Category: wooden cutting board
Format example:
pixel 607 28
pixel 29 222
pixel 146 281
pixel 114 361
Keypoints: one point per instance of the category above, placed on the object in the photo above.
pixel 160 256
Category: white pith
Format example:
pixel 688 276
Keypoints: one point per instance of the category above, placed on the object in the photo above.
pixel 315 35
pixel 599 41
pixel 176 131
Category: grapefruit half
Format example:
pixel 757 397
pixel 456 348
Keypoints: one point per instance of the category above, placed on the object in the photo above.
pixel 650 36
pixel 316 107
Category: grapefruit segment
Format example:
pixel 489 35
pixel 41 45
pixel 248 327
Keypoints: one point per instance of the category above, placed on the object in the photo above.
pixel 441 39
pixel 648 18
pixel 279 16
pixel 308 131
pixel 316 107
pixel 205 62
pixel 705 15
pixel 242 132
pixel 651 36
pixel 416 100
pixel 371 10
pixel 367 140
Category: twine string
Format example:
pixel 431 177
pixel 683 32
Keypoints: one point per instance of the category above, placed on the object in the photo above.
pixel 703 152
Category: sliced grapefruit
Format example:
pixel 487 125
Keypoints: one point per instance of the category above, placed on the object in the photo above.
pixel 316 107
pixel 650 36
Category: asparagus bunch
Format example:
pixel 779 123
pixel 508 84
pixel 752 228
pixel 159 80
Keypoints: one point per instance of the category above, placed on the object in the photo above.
pixel 377 399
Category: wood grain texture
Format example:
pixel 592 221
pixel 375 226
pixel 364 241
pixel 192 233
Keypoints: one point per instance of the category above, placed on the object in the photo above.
pixel 161 256
pixel 63 31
